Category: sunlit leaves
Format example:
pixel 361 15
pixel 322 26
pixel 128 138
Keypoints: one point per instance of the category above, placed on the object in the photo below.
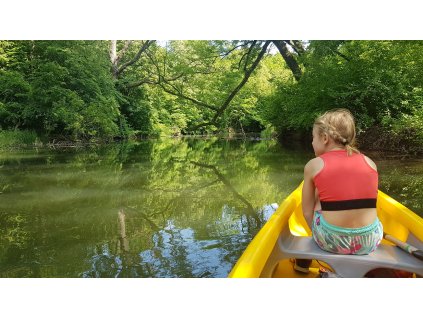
pixel 376 80
pixel 59 88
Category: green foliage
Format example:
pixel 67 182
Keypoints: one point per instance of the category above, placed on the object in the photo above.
pixel 67 88
pixel 411 124
pixel 14 100
pixel 17 138
pixel 378 81
pixel 135 107
pixel 269 132
pixel 204 71
pixel 58 88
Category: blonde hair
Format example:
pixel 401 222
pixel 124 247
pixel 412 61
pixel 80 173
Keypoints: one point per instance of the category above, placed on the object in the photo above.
pixel 340 126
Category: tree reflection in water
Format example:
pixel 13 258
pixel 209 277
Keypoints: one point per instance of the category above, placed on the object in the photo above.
pixel 165 208
pixel 177 252
pixel 122 263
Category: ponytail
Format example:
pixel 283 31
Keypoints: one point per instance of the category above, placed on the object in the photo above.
pixel 351 149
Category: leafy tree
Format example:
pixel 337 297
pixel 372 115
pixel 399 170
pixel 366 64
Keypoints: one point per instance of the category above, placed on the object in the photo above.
pixel 58 88
pixel 378 81
pixel 98 89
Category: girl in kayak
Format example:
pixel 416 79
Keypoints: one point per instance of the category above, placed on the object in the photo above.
pixel 340 189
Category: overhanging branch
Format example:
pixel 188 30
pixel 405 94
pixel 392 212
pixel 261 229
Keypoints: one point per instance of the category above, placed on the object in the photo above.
pixel 142 49
pixel 242 83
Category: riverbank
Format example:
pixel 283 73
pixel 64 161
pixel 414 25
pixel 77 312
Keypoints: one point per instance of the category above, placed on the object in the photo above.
pixel 379 139
pixel 14 139
pixel 374 139
pixel 18 139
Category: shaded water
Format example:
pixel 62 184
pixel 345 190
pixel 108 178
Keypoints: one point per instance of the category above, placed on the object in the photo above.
pixel 169 208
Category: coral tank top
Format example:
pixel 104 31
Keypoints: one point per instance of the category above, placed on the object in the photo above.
pixel 346 182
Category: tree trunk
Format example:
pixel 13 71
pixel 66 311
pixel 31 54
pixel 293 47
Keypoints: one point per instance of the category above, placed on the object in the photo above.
pixel 289 59
pixel 114 59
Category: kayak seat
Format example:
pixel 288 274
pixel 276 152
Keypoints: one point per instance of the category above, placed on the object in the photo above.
pixel 304 247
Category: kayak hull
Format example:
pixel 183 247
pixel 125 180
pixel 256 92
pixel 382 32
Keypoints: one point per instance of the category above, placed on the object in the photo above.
pixel 267 256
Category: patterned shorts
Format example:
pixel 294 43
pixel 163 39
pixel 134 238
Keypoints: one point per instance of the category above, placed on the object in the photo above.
pixel 342 240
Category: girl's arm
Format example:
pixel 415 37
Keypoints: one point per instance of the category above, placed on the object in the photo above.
pixel 308 199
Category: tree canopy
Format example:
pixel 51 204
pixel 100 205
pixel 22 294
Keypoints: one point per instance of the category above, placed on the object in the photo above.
pixel 83 90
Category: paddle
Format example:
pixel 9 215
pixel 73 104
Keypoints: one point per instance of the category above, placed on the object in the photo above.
pixel 405 246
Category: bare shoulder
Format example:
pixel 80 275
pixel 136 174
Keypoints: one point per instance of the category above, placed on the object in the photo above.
pixel 314 166
pixel 370 162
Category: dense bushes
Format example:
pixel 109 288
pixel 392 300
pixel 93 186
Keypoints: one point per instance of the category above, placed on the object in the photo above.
pixel 58 88
pixel 379 81
pixel 18 138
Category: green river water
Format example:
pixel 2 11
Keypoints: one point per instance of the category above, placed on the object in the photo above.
pixel 157 208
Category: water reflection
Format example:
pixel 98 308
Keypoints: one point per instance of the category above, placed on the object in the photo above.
pixel 178 252
pixel 170 208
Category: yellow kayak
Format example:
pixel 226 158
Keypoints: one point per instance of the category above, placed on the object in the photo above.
pixel 286 236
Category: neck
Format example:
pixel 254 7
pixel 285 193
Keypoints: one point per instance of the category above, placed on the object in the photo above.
pixel 336 148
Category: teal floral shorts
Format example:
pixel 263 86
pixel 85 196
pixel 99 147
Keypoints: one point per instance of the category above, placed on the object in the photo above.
pixel 341 240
